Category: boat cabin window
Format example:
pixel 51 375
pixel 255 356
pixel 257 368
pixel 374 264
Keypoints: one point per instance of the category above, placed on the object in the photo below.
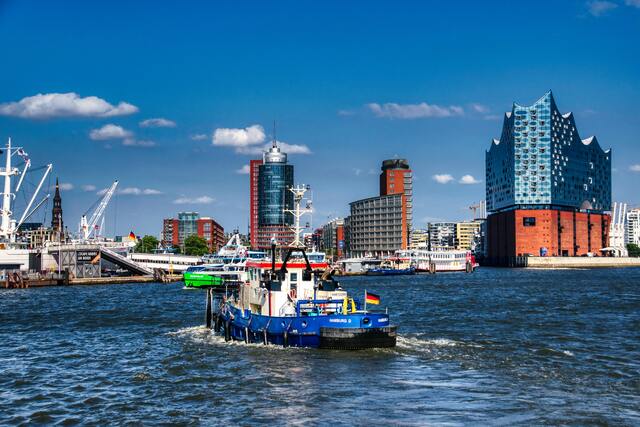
pixel 293 277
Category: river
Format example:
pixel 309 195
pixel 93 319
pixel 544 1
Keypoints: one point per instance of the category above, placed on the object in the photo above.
pixel 498 346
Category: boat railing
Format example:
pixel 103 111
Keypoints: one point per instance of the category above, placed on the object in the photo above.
pixel 318 306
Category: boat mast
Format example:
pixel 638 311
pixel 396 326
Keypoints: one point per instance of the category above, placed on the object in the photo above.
pixel 297 212
pixel 5 226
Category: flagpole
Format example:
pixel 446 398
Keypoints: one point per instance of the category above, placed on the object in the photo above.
pixel 365 300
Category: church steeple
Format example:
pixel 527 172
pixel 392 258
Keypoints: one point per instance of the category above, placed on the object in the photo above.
pixel 56 215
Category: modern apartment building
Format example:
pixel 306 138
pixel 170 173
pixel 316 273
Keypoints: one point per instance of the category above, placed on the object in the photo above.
pixel 442 236
pixel 396 177
pixel 632 234
pixel 467 234
pixel 333 238
pixel 377 226
pixel 176 230
pixel 547 189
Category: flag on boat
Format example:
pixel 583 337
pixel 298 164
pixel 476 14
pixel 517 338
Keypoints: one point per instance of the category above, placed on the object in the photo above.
pixel 20 152
pixel 371 298
pixel 132 236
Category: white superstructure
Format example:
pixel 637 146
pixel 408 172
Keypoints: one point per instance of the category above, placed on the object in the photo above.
pixel 632 234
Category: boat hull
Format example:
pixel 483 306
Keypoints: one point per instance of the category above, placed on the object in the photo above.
pixel 199 280
pixel 355 331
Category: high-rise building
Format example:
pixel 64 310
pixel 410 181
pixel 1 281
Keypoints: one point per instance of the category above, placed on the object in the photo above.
pixel 377 226
pixel 381 225
pixel 176 230
pixel 275 178
pixel 57 225
pixel 397 178
pixel 254 171
pixel 547 188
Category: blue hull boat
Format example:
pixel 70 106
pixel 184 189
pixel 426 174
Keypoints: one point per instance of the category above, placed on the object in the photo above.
pixel 352 331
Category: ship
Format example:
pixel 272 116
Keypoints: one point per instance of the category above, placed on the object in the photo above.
pixel 438 261
pixel 296 302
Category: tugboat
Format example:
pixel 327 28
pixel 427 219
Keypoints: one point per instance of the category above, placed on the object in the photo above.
pixel 297 303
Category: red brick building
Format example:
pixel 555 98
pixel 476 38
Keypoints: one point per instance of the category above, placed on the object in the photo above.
pixel 212 232
pixel 522 232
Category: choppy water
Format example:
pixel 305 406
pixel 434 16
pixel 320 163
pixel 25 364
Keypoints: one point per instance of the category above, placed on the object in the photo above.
pixel 497 346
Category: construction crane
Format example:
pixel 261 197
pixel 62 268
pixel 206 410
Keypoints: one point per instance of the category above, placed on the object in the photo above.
pixel 87 227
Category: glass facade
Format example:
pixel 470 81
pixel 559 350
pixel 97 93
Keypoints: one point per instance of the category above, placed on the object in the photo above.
pixel 187 225
pixel 540 160
pixel 274 181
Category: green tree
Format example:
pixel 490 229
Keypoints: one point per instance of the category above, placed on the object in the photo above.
pixel 634 250
pixel 195 245
pixel 147 244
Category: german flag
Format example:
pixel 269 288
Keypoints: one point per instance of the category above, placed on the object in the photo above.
pixel 132 236
pixel 371 298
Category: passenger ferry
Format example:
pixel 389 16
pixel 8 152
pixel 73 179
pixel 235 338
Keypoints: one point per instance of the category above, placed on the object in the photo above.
pixel 438 261
pixel 296 302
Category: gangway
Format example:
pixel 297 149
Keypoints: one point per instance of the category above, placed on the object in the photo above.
pixel 123 262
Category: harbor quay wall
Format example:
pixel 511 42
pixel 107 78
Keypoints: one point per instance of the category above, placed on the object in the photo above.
pixel 560 262
pixel 582 262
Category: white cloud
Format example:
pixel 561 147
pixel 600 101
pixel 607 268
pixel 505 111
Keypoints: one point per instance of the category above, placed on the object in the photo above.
pixel 292 148
pixel 600 7
pixel 357 171
pixel 634 3
pixel 392 110
pixel 202 200
pixel 229 137
pixel 199 137
pixel 444 178
pixel 132 142
pixel 109 131
pixel 468 179
pixel 66 186
pixel 635 168
pixel 346 113
pixel 286 148
pixel 51 105
pixel 133 191
pixel 492 117
pixel 479 108
pixel 244 170
pixel 88 187
pixel 157 123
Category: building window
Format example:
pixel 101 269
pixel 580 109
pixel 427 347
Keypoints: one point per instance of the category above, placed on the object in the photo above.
pixel 529 221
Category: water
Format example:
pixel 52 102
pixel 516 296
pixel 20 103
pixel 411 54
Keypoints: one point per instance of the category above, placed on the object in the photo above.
pixel 494 347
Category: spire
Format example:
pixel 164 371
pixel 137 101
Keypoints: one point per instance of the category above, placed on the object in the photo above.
pixel 275 144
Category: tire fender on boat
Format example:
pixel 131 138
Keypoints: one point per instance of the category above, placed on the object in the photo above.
pixel 227 330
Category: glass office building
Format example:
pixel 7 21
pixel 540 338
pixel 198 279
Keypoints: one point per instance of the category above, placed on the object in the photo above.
pixel 275 177
pixel 541 161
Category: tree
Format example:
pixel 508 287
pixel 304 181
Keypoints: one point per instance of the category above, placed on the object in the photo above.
pixel 147 244
pixel 195 245
pixel 634 250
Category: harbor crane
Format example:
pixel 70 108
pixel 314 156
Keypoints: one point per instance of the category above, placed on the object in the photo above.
pixel 87 227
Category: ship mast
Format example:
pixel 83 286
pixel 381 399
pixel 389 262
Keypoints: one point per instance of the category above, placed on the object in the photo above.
pixel 5 225
pixel 297 212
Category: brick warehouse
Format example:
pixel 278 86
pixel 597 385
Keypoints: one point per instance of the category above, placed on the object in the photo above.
pixel 548 189
pixel 524 232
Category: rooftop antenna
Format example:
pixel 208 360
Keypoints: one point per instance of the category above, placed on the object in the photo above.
pixel 274 135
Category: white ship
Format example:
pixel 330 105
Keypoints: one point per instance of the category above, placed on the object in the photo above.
pixel 13 253
pixel 437 261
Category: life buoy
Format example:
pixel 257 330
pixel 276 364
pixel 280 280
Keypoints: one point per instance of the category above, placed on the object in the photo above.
pixel 293 294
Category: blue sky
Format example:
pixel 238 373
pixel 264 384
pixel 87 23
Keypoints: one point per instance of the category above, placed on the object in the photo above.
pixel 348 83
